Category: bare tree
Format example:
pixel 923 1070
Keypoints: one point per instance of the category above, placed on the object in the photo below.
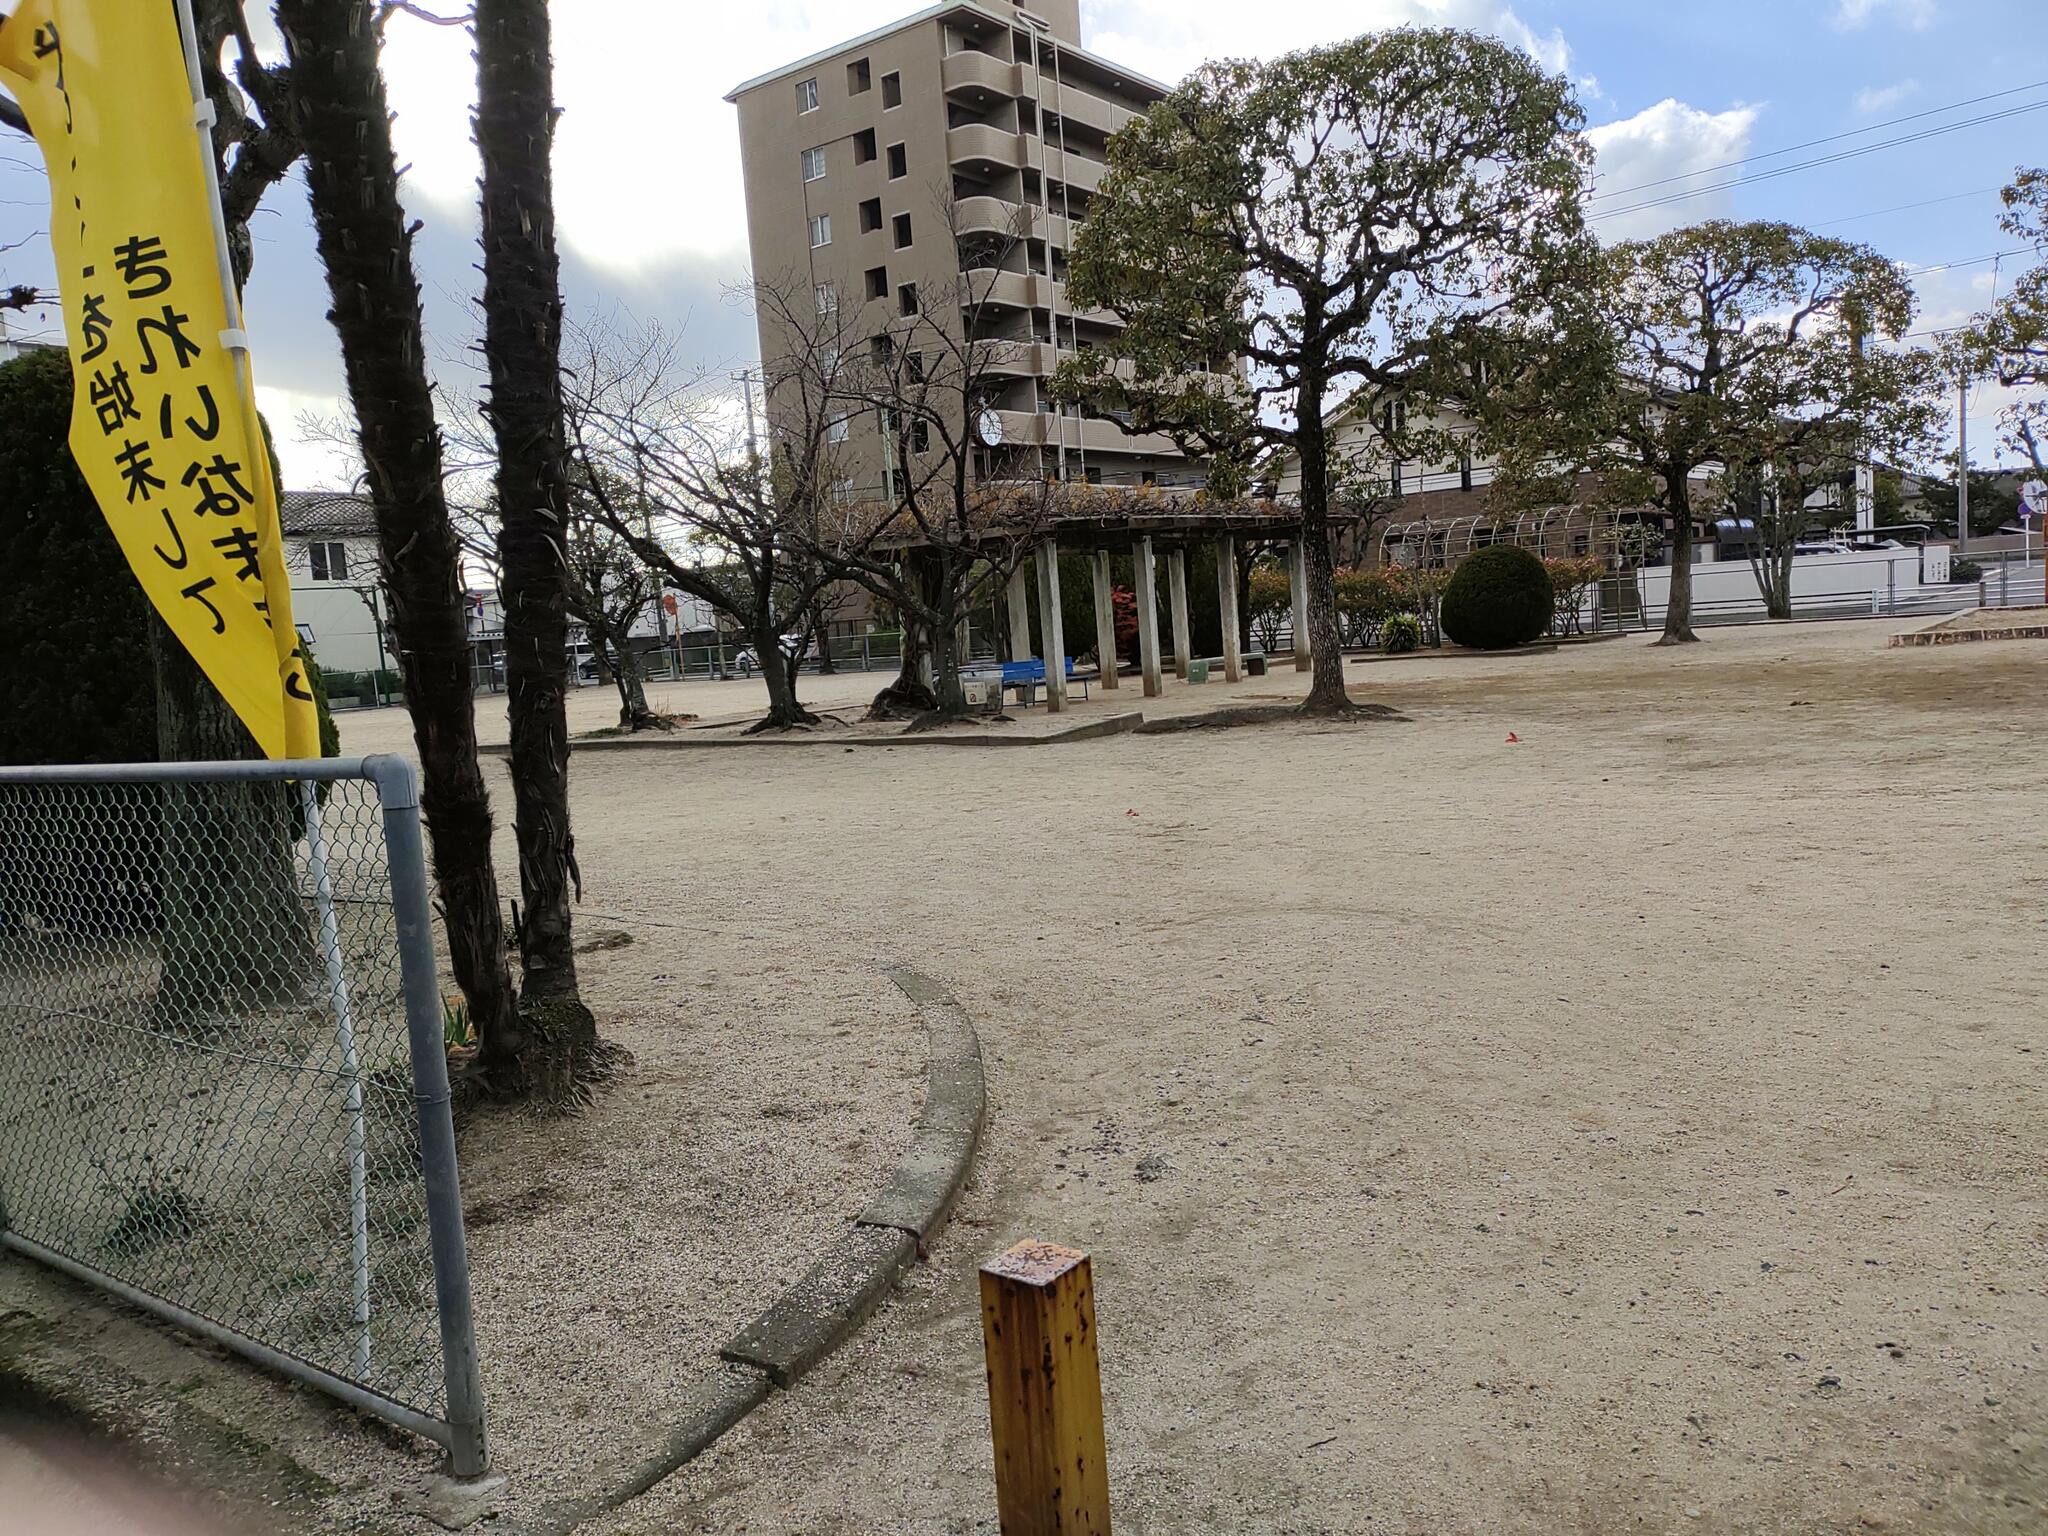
pixel 668 471
pixel 955 509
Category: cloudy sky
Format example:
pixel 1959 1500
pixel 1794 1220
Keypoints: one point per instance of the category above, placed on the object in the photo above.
pixel 648 185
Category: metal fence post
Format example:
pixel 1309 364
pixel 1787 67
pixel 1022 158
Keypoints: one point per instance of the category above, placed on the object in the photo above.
pixel 398 794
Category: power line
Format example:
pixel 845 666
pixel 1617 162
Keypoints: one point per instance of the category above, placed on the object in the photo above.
pixel 1807 165
pixel 1875 213
pixel 1833 138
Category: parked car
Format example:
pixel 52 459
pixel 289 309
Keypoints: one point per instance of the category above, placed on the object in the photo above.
pixel 792 645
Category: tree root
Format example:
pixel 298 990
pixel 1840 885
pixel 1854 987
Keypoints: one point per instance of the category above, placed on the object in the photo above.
pixel 902 701
pixel 559 1066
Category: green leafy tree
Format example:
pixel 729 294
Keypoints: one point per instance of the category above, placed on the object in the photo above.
pixel 1722 344
pixel 1345 220
pixel 2011 341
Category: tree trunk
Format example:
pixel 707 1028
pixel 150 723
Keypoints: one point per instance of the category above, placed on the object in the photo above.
pixel 341 116
pixel 627 677
pixel 522 304
pixel 1326 695
pixel 1678 607
pixel 778 671
pixel 908 696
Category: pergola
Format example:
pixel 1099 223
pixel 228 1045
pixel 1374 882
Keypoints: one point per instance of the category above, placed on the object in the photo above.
pixel 1147 524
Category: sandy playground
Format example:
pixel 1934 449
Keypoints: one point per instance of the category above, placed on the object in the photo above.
pixel 1636 1126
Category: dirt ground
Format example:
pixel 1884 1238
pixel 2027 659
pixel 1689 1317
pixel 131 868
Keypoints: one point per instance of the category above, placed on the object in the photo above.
pixel 1634 1127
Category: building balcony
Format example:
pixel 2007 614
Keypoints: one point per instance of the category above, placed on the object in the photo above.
pixel 984 146
pixel 1043 429
pixel 1076 170
pixel 999 216
pixel 1076 105
pixel 971 73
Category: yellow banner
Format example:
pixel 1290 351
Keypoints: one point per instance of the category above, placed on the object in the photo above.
pixel 161 425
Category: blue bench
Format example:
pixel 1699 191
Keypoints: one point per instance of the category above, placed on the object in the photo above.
pixel 1027 677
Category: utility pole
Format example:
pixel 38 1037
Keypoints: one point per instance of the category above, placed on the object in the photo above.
pixel 1963 463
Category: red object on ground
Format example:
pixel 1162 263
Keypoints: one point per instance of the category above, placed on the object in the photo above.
pixel 1514 738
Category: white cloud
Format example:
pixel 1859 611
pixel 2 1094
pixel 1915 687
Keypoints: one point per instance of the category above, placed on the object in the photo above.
pixel 1167 38
pixel 1916 14
pixel 1879 98
pixel 1663 150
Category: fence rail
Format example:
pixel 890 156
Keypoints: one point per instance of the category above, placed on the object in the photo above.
pixel 223 1082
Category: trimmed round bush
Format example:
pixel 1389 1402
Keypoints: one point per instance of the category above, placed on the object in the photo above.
pixel 1498 597
pixel 1402 632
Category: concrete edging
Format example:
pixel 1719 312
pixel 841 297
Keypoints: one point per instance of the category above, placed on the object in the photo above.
pixel 1110 725
pixel 1938 633
pixel 861 1266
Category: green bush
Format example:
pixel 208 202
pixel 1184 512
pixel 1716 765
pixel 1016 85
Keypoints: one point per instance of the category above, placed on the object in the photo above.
pixel 1965 570
pixel 1400 633
pixel 1497 598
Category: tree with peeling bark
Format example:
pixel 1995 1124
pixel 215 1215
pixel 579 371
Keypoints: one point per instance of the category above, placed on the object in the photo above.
pixel 340 115
pixel 667 470
pixel 522 305
pixel 1340 218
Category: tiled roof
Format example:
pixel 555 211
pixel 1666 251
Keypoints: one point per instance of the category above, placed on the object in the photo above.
pixel 327 512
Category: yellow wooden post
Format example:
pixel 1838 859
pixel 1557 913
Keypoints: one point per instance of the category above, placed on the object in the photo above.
pixel 1044 1392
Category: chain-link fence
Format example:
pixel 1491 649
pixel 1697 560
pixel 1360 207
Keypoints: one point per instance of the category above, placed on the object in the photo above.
pixel 223 1087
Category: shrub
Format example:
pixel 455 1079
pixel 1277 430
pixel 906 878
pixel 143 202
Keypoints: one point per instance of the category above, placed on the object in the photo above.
pixel 1570 579
pixel 1497 598
pixel 1401 633
pixel 1366 599
pixel 1965 570
pixel 1271 602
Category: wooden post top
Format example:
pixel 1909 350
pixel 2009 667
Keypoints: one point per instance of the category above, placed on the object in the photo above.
pixel 1034 1262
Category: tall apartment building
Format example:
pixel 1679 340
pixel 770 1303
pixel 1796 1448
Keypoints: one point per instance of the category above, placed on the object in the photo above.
pixel 952 154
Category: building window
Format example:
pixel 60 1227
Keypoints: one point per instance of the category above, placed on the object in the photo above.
pixel 828 359
pixel 902 230
pixel 836 430
pixel 814 164
pixel 864 146
pixel 906 299
pixel 329 561
pixel 821 230
pixel 880 350
pixel 878 282
pixel 892 91
pixel 871 215
pixel 1464 471
pixel 807 95
pixel 827 297
pixel 899 162
pixel 857 80
pixel 843 490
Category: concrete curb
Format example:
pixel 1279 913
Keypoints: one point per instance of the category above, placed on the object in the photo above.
pixel 858 1270
pixel 1936 634
pixel 1109 725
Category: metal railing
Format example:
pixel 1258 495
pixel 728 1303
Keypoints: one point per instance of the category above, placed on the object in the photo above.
pixel 223 1077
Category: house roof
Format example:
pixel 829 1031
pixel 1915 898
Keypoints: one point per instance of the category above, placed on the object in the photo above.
pixel 305 512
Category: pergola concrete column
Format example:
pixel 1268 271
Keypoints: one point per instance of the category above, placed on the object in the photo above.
pixel 1148 618
pixel 1105 617
pixel 1177 606
pixel 1017 606
pixel 1226 606
pixel 1051 632
pixel 1297 582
